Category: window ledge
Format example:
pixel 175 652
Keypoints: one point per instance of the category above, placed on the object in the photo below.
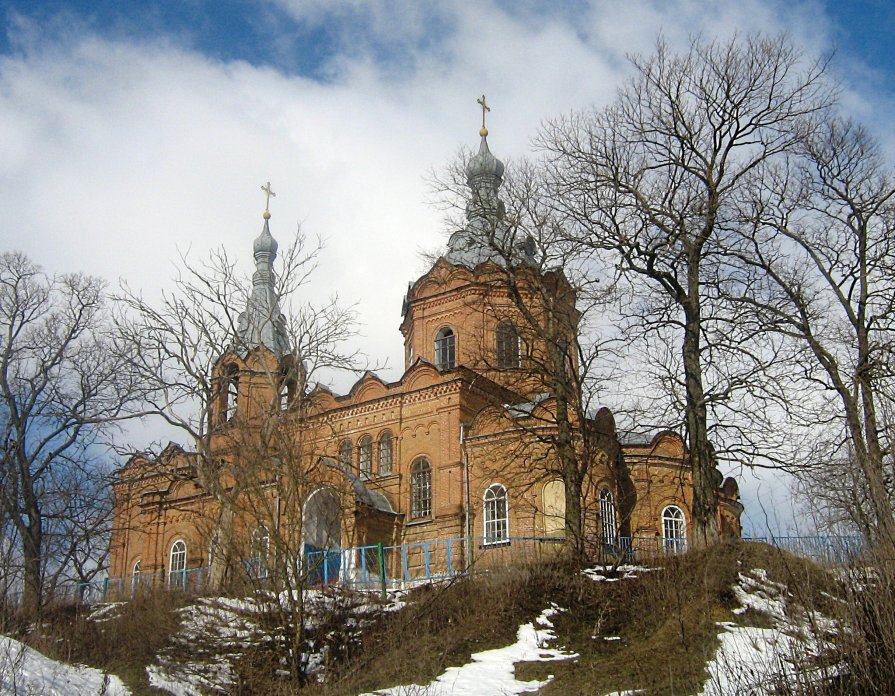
pixel 418 521
pixel 495 544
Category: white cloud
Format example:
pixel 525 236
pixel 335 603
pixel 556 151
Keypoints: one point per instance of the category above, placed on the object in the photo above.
pixel 115 153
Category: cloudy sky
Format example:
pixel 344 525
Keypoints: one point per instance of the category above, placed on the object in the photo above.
pixel 130 131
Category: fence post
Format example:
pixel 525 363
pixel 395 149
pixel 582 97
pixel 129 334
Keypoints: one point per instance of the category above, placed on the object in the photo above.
pixel 381 550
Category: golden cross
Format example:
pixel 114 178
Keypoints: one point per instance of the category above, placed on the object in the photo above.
pixel 484 104
pixel 266 189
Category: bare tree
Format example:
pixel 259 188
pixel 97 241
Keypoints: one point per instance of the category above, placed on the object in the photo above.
pixel 63 382
pixel 541 293
pixel 179 343
pixel 653 179
pixel 821 234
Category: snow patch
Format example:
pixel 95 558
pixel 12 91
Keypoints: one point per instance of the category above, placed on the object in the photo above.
pixel 215 632
pixel 623 572
pixel 23 670
pixel 755 660
pixel 493 671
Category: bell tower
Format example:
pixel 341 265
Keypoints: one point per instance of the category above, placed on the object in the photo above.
pixel 257 374
pixel 480 304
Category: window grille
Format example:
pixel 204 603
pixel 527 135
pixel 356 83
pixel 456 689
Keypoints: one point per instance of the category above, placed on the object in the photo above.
pixel 345 456
pixel 608 522
pixel 421 488
pixel 497 527
pixel 445 349
pixel 509 352
pixel 177 567
pixel 365 456
pixel 674 529
pixel 386 454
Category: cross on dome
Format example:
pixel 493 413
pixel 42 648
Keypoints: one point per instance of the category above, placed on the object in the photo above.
pixel 266 188
pixel 485 108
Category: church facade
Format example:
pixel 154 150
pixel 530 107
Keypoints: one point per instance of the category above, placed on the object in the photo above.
pixel 461 449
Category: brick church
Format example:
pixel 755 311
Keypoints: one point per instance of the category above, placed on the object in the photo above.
pixel 461 447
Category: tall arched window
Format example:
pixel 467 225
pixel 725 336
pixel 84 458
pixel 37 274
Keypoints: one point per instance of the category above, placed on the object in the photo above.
pixel 365 456
pixel 421 488
pixel 177 565
pixel 608 522
pixel 135 575
pixel 674 529
pixel 386 453
pixel 497 518
pixel 259 562
pixel 231 391
pixel 509 353
pixel 445 349
pixel 554 501
pixel 345 456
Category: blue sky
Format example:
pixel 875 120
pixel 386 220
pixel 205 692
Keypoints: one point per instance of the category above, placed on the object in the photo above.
pixel 132 131
pixel 283 36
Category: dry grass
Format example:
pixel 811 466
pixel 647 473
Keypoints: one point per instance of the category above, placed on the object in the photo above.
pixel 665 621
pixel 867 642
pixel 443 625
pixel 124 643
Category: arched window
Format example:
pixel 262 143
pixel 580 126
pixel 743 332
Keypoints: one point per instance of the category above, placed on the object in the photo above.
pixel 674 529
pixel 554 500
pixel 497 520
pixel 608 522
pixel 365 456
pixel 231 391
pixel 445 349
pixel 386 453
pixel 258 564
pixel 509 353
pixel 135 575
pixel 421 488
pixel 177 566
pixel 345 456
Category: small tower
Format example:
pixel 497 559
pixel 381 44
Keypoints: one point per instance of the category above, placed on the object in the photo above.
pixel 462 311
pixel 258 373
pixel 262 323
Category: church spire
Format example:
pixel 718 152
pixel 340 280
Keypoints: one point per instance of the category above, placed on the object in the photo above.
pixel 484 174
pixel 262 323
pixel 485 225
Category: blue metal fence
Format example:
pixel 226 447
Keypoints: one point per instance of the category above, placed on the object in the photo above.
pixel 426 561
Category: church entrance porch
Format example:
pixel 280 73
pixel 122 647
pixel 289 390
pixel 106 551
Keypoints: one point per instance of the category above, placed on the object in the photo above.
pixel 322 537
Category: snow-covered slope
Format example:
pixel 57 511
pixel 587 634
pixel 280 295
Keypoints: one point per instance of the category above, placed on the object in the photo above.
pixel 26 672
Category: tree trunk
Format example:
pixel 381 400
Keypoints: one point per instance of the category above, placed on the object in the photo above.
pixel 568 456
pixel 220 558
pixel 704 528
pixel 32 543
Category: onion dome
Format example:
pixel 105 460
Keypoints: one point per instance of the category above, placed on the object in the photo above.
pixel 484 168
pixel 262 323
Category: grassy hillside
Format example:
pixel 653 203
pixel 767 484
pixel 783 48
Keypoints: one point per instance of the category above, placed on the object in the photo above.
pixel 655 630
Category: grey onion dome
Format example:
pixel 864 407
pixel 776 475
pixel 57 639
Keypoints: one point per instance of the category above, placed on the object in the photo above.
pixel 486 232
pixel 484 165
pixel 265 243
pixel 262 323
